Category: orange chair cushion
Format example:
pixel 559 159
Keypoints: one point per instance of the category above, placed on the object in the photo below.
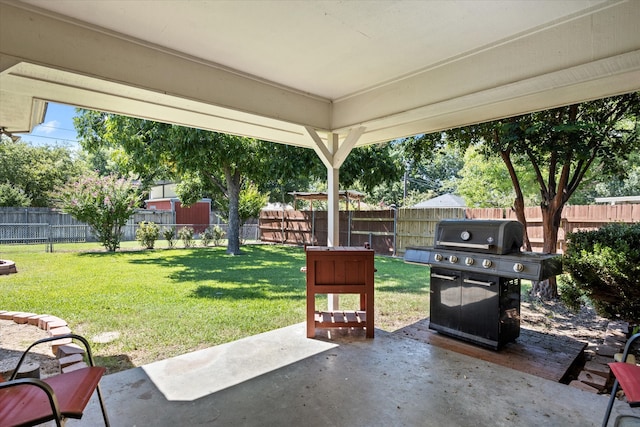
pixel 28 404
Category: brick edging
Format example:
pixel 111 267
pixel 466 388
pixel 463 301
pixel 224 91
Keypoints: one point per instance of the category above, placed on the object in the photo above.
pixel 596 376
pixel 64 349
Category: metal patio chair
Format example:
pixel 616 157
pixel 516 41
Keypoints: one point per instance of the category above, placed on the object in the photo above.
pixel 30 401
pixel 628 379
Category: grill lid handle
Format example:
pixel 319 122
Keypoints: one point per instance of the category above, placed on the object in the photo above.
pixel 463 245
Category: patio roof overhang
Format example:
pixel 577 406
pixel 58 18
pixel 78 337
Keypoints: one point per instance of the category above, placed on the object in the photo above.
pixel 328 75
pixel 271 69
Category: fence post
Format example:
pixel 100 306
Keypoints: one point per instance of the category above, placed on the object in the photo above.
pixel 48 247
pixel 349 228
pixel 395 227
pixel 282 240
pixel 313 228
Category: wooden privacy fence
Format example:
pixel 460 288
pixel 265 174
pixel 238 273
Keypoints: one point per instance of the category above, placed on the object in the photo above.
pixel 39 225
pixel 391 232
pixel 310 228
pixel 57 217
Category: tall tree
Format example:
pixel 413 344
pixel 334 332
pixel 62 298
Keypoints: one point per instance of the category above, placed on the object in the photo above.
pixel 485 183
pixel 215 163
pixel 285 168
pixel 37 171
pixel 418 179
pixel 210 163
pixel 560 146
pixel 370 166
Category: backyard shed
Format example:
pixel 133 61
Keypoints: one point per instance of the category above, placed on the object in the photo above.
pixel 196 215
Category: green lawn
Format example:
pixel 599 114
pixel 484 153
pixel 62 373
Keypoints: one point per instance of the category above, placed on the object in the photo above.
pixel 166 302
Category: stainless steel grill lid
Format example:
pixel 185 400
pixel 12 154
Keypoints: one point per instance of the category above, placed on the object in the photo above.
pixel 486 236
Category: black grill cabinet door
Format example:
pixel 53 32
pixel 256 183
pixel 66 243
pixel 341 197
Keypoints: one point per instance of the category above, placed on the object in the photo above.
pixel 480 311
pixel 445 299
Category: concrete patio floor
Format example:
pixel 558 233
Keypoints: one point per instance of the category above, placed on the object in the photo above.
pixel 282 378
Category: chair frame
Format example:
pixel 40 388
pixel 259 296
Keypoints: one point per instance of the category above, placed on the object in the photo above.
pixel 616 383
pixel 56 413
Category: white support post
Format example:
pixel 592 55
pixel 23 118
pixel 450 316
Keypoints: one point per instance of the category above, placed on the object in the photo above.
pixel 333 197
pixel 333 214
pixel 333 154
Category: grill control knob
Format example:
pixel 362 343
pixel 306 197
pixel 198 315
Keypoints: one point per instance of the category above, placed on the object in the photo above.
pixel 453 259
pixel 468 261
pixel 518 267
pixel 486 263
pixel 437 257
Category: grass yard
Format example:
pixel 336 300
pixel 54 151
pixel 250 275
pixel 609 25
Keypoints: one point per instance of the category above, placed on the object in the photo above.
pixel 166 302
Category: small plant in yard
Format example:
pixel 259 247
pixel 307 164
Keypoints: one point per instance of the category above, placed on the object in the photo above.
pixel 147 234
pixel 217 234
pixel 186 235
pixel 206 237
pixel 213 234
pixel 169 234
pixel 105 203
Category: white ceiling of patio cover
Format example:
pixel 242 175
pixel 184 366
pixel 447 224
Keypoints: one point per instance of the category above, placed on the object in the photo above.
pixel 269 68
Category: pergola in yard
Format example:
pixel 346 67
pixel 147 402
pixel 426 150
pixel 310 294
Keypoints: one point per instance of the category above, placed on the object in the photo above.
pixel 326 75
pixel 347 195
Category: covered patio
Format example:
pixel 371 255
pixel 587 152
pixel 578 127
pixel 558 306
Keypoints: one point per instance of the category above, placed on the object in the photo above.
pixel 329 76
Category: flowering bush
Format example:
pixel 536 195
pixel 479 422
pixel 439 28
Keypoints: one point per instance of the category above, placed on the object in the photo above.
pixel 104 203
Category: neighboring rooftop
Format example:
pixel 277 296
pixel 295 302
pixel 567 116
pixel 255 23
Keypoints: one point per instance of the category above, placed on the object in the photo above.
pixel 444 201
pixel 618 200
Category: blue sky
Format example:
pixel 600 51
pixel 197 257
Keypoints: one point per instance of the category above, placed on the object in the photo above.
pixel 57 128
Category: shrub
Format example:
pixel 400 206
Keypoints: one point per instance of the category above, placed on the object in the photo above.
pixel 218 235
pixel 206 237
pixel 570 294
pixel 169 233
pixel 605 265
pixel 105 203
pixel 12 196
pixel 212 234
pixel 186 235
pixel 147 234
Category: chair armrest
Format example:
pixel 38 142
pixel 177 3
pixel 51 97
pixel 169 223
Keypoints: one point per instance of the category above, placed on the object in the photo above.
pixel 49 339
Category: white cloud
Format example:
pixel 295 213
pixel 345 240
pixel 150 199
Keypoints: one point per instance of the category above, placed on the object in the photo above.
pixel 49 127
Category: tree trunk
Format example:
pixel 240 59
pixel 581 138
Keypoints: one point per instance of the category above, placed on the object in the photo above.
pixel 551 216
pixel 233 234
pixel 518 203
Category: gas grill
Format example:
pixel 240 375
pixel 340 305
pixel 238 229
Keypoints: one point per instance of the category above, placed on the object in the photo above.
pixel 476 269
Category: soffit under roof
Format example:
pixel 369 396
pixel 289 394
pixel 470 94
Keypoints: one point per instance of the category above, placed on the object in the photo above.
pixel 277 70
